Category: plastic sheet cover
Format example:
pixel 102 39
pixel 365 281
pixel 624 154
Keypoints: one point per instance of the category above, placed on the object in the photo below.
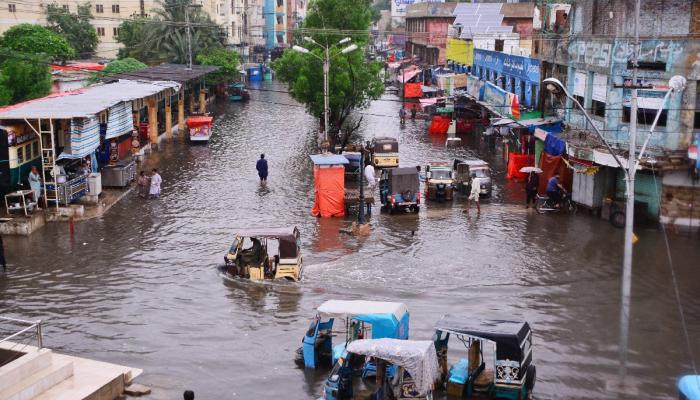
pixel 412 90
pixel 329 183
pixel 439 125
pixel 418 357
pixel 516 162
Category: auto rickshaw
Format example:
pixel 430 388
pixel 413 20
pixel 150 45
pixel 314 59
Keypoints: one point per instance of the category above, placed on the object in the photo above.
pixel 463 170
pixel 511 374
pixel 248 256
pixel 237 92
pixel 439 181
pixel 384 152
pixel 361 319
pixel 404 369
pixel 399 189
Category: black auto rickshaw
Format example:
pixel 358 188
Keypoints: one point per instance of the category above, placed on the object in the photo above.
pixel 399 189
pixel 511 374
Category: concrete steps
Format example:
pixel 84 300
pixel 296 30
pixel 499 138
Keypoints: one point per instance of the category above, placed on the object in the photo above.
pixel 33 383
pixel 40 374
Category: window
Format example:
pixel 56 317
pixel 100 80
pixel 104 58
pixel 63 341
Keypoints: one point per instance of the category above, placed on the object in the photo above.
pixel 99 8
pixel 66 8
pixel 115 31
pixel 498 46
pixel 28 152
pixel 598 108
pixel 580 100
pixel 535 97
pixel 20 155
pixel 696 125
pixel 115 8
pixel 35 149
pixel 100 31
pixel 12 8
pixel 645 116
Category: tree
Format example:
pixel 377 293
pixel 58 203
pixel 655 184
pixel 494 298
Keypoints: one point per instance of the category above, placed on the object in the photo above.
pixel 35 39
pixel 353 81
pixel 24 78
pixel 119 67
pixel 163 38
pixel 225 59
pixel 75 28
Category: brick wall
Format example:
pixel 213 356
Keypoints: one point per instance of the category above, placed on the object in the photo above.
pixel 695 17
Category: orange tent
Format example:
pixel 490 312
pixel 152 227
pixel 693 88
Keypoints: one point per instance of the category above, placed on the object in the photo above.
pixel 439 125
pixel 329 182
pixel 412 90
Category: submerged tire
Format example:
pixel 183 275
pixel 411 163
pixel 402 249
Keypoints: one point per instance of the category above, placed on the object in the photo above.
pixel 617 219
pixel 530 379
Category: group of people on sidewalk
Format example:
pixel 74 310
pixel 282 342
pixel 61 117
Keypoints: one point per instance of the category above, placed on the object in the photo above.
pixel 149 185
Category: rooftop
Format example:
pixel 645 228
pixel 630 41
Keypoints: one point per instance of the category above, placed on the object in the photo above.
pixel 433 10
pixel 518 10
pixel 168 72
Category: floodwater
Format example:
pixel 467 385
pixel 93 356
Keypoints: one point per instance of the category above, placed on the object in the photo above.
pixel 142 286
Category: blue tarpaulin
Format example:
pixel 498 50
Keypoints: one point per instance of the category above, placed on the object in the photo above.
pixel 554 146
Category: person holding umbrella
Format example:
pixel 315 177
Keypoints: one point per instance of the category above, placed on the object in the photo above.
pixel 532 182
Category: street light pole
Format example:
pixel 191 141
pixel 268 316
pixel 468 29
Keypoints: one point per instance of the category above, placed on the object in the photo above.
pixel 676 85
pixel 326 69
pixel 189 37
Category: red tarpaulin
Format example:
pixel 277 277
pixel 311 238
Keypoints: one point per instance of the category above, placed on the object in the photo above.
pixel 439 125
pixel 468 125
pixel 515 162
pixel 411 90
pixel 329 183
pixel 551 164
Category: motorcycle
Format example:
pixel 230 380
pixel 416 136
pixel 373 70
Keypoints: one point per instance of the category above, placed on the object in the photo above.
pixel 543 204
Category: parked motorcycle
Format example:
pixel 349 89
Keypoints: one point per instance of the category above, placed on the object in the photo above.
pixel 543 204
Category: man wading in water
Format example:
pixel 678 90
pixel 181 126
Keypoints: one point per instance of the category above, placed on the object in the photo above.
pixel 261 166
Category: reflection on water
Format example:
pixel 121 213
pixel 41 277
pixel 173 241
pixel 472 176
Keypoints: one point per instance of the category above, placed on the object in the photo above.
pixel 143 285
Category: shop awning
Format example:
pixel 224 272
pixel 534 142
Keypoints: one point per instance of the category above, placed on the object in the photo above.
pixel 85 103
pixel 120 120
pixel 430 101
pixel 428 89
pixel 407 76
pixel 84 138
pixel 394 65
pixel 328 159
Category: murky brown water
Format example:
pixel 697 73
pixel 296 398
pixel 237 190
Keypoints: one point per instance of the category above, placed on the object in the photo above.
pixel 141 286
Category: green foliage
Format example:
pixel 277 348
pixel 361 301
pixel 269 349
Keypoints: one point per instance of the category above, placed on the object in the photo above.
pixel 225 59
pixel 75 28
pixel 347 15
pixel 163 38
pixel 35 39
pixel 123 65
pixel 119 67
pixel 24 78
pixel 353 81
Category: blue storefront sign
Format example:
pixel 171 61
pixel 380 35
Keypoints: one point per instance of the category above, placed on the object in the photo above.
pixel 521 75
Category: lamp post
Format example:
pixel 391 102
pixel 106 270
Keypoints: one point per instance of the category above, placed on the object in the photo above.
pixel 676 85
pixel 326 60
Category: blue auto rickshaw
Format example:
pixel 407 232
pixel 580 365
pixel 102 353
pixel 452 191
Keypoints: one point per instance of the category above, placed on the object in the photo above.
pixel 689 387
pixel 361 320
pixel 512 374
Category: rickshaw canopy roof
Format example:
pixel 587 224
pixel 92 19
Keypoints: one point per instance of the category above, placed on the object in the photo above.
pixel 199 120
pixel 286 233
pixel 689 386
pixel 508 335
pixel 418 357
pixel 350 308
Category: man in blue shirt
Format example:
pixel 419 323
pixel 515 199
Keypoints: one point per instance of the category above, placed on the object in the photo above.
pixel 554 189
pixel 261 166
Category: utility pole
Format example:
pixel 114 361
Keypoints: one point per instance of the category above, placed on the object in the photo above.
pixel 629 211
pixel 189 36
pixel 326 70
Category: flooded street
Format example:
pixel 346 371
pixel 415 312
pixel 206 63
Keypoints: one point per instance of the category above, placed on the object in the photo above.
pixel 142 286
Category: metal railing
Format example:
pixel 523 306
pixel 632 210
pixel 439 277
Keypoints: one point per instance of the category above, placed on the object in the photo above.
pixel 20 332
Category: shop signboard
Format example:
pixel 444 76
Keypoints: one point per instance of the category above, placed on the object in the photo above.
pixel 494 95
pixel 524 68
pixel 474 87
pixel 650 97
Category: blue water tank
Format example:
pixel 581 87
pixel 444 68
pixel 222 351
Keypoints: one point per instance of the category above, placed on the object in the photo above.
pixel 254 74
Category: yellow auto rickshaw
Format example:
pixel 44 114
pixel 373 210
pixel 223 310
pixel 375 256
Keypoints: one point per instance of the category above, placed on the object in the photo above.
pixel 248 256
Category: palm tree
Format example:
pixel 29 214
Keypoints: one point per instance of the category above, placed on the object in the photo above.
pixel 164 36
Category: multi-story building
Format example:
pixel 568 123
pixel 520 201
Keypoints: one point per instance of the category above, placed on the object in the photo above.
pixel 240 20
pixel 426 31
pixel 398 10
pixel 275 23
pixel 590 50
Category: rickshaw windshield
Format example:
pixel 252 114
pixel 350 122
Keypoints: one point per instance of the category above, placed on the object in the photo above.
pixel 481 172
pixel 441 174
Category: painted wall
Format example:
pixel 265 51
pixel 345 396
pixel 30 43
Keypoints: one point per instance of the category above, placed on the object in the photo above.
pixel 460 51
pixel 518 72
